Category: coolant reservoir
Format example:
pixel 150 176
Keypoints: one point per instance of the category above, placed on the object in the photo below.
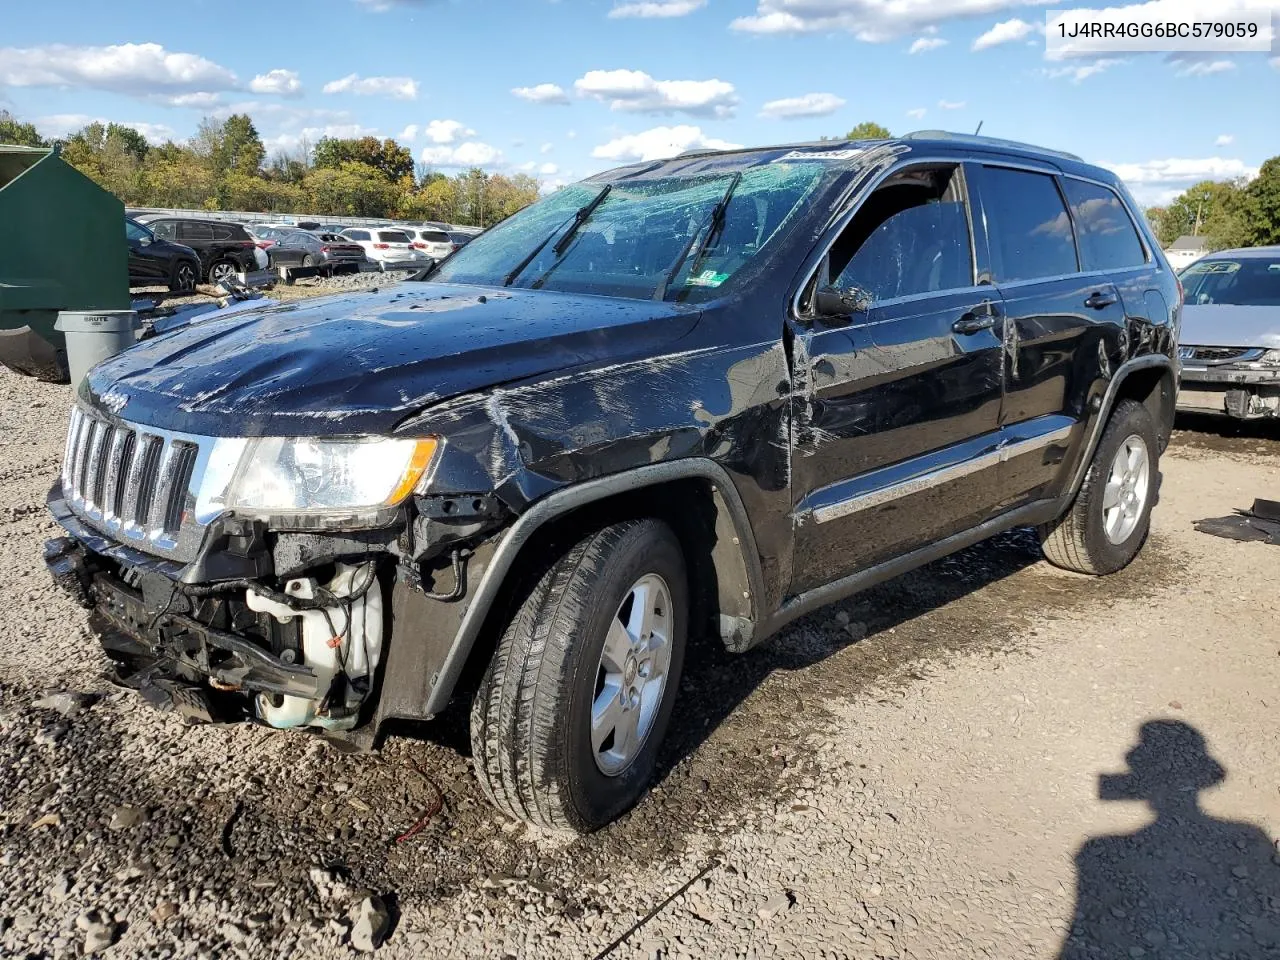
pixel 346 636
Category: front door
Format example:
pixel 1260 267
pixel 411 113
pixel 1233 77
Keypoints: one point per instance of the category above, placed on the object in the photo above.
pixel 896 410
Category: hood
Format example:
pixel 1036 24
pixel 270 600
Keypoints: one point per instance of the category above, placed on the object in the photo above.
pixel 1229 325
pixel 361 363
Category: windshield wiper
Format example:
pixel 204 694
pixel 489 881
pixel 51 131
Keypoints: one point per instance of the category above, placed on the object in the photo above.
pixel 578 218
pixel 712 226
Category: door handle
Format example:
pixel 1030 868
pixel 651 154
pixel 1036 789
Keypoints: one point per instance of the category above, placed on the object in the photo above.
pixel 973 323
pixel 1099 300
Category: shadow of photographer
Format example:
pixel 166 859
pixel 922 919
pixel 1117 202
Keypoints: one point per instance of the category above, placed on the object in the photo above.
pixel 1188 885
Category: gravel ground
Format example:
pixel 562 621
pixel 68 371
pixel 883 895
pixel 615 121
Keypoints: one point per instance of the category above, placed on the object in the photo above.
pixel 987 758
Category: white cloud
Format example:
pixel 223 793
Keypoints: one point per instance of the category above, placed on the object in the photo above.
pixel 1159 181
pixel 917 114
pixel 1275 63
pixel 874 21
pixel 1006 31
pixel 572 134
pixel 1204 68
pixel 397 88
pixel 634 91
pixel 548 170
pixel 657 8
pixel 659 143
pixel 284 83
pixel 290 140
pixel 469 154
pixel 139 69
pixel 542 93
pixel 202 100
pixel 154 132
pixel 546 148
pixel 808 105
pixel 447 131
pixel 1224 140
pixel 951 104
pixel 1082 72
pixel 409 133
pixel 925 44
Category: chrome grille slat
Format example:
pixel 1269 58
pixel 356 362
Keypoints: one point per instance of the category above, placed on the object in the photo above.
pixel 136 483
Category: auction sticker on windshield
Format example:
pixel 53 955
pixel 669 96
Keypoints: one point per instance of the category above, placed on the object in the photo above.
pixel 708 278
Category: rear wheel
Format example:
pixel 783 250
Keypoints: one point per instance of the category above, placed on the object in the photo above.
pixel 308 261
pixel 1109 520
pixel 222 271
pixel 567 724
pixel 184 277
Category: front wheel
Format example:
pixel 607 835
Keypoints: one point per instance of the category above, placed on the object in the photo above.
pixel 1108 522
pixel 222 272
pixel 184 277
pixel 568 721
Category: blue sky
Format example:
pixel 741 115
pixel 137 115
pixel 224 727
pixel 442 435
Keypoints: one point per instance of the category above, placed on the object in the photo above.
pixel 564 89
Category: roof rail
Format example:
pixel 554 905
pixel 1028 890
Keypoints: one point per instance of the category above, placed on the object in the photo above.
pixel 986 141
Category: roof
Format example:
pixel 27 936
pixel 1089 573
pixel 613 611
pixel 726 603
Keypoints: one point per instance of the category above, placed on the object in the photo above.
pixel 1248 253
pixel 1188 242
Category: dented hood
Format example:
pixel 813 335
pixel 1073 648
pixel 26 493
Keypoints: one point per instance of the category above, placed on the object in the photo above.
pixel 362 363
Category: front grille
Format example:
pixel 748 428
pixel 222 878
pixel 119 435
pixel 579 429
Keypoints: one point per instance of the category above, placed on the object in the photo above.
pixel 1219 354
pixel 128 480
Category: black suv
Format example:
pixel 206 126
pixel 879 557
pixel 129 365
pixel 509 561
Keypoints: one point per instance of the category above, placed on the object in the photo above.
pixel 225 249
pixel 700 395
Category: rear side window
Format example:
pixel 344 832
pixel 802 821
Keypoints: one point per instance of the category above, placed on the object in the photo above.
pixel 163 228
pixel 1107 237
pixel 1030 230
pixel 229 231
pixel 193 230
pixel 393 236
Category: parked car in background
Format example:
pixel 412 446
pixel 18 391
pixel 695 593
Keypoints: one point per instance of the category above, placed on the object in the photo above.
pixel 291 247
pixel 386 247
pixel 1230 337
pixel 224 248
pixel 432 241
pixel 460 239
pixel 156 262
pixel 695 398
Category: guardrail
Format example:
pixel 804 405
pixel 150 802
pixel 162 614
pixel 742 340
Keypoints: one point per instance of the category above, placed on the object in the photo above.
pixel 249 217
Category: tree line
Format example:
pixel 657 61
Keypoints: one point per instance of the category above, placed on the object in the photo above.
pixel 225 167
pixel 1232 213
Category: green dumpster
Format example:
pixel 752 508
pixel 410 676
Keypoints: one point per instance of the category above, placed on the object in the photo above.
pixel 62 248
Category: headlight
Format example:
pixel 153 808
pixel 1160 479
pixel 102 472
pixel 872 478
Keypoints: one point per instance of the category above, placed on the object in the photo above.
pixel 357 479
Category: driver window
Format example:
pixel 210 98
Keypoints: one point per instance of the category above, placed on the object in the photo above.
pixel 910 237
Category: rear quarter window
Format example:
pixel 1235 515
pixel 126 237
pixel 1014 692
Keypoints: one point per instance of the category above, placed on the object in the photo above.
pixel 1106 234
pixel 1030 229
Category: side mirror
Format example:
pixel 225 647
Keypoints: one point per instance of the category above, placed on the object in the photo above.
pixel 144 241
pixel 833 302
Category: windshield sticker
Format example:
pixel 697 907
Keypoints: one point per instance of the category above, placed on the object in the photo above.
pixel 707 278
pixel 848 154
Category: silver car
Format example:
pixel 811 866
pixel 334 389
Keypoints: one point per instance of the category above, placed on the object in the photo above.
pixel 1230 339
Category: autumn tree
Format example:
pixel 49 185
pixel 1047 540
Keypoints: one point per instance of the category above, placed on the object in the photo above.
pixel 868 130
pixel 391 160
pixel 16 132
pixel 1217 211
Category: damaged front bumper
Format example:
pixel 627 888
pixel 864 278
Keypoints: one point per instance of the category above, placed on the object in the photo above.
pixel 304 655
pixel 1245 391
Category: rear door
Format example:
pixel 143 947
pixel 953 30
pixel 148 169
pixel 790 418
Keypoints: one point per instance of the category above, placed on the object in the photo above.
pixel 1061 324
pixel 895 438
pixel 198 235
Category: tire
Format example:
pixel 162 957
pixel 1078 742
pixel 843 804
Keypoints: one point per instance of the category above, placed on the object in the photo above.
pixel 535 752
pixel 1090 537
pixel 221 271
pixel 184 277
pixel 308 261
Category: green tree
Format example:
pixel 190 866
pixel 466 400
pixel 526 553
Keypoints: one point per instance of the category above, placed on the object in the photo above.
pixel 14 131
pixel 240 150
pixel 352 189
pixel 1262 204
pixel 1217 211
pixel 868 130
pixel 390 159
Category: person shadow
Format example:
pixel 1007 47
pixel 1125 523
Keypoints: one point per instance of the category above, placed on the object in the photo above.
pixel 1188 885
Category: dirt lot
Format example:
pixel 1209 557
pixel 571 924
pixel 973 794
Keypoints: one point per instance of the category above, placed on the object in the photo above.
pixel 954 765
